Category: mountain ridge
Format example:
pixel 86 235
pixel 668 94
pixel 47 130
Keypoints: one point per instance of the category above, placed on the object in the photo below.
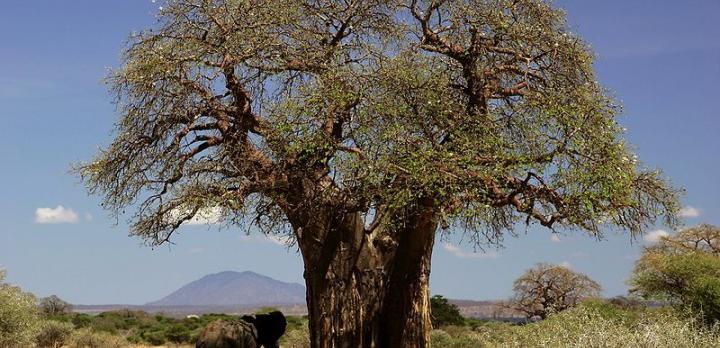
pixel 231 288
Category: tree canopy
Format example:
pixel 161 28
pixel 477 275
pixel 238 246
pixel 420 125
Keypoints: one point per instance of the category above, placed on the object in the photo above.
pixel 54 305
pixel 444 313
pixel 684 269
pixel 262 109
pixel 546 289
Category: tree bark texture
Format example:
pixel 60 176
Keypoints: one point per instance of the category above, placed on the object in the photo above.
pixel 368 288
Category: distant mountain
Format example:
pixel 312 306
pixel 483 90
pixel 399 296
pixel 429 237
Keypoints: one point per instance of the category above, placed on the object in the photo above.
pixel 234 288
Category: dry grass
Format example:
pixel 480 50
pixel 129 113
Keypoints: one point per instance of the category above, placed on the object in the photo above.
pixel 587 327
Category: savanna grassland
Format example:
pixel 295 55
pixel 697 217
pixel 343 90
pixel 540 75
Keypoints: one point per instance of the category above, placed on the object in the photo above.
pixel 593 324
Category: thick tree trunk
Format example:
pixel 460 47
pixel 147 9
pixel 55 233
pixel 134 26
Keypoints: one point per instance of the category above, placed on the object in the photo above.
pixel 368 289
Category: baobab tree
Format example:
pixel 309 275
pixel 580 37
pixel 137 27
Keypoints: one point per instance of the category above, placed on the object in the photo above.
pixel 546 289
pixel 360 128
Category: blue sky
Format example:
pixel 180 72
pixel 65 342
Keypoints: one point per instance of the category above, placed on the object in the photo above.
pixel 661 59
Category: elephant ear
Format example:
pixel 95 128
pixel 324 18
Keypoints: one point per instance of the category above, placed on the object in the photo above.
pixel 270 328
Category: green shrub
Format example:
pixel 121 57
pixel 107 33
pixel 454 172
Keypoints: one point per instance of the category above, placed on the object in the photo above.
pixel 81 320
pixel 613 312
pixel 684 269
pixel 444 313
pixel 295 322
pixel 593 326
pixel 105 324
pixel 440 338
pixel 86 338
pixel 455 337
pixel 54 334
pixel 178 334
pixel 154 337
pixel 19 320
pixel 296 337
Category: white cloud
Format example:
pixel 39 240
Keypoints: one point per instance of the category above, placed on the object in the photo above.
pixel 57 215
pixel 565 264
pixel 279 240
pixel 469 255
pixel 689 212
pixel 555 238
pixel 655 236
pixel 274 239
pixel 208 216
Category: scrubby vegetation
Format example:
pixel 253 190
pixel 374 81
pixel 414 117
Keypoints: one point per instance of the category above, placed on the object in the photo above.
pixel 19 321
pixel 54 334
pixel 684 269
pixel 139 327
pixel 593 324
pixel 444 313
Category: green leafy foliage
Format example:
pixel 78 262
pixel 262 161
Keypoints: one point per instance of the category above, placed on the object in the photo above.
pixel 444 313
pixel 139 327
pixel 54 334
pixel 491 108
pixel 19 319
pixel 592 324
pixel 86 338
pixel 684 269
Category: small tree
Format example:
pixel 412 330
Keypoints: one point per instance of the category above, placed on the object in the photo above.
pixel 444 313
pixel 53 305
pixel 18 315
pixel 548 288
pixel 684 269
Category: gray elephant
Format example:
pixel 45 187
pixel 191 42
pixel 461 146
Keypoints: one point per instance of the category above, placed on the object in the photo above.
pixel 261 330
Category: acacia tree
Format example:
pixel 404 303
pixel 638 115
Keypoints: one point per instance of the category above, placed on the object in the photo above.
pixel 703 238
pixel 362 127
pixel 683 268
pixel 547 288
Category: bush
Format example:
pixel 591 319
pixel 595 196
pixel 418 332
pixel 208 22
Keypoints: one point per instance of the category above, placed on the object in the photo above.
pixel 455 337
pixel 86 338
pixel 81 320
pixel 178 334
pixel 155 338
pixel 684 269
pixel 296 337
pixel 609 310
pixel 586 326
pixel 440 338
pixel 19 320
pixel 444 313
pixel 54 334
